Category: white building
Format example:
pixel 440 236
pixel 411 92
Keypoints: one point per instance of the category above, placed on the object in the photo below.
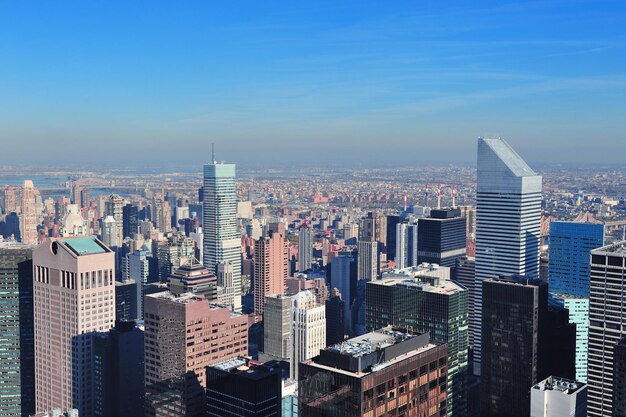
pixel 508 221
pixel 556 397
pixel 305 247
pixel 309 329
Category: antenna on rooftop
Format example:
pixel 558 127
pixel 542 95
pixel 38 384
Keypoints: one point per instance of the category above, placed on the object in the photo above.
pixel 454 196
pixel 213 153
pixel 426 205
pixel 438 196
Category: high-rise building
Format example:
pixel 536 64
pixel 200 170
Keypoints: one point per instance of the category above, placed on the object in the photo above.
pixel 305 247
pixel 118 367
pixel 555 396
pixel 278 327
pixel 570 247
pixel 10 200
pixel 17 357
pixel 130 220
pixel 391 228
pixel 126 300
pixel 441 238
pixel 110 232
pixel 368 260
pixel 138 269
pixel 415 301
pixel 508 217
pixel 193 277
pixel 309 328
pixel 241 387
pixel 385 372
pixel 343 277
pixel 335 322
pixel 29 216
pixel 222 240
pixel 183 335
pixel 114 207
pixel 619 378
pixel 464 275
pixel 578 308
pixel 523 342
pixel 607 303
pixel 271 268
pixel 406 245
pixel 74 297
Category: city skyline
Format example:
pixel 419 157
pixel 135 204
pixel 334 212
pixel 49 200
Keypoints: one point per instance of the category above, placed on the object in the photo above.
pixel 283 80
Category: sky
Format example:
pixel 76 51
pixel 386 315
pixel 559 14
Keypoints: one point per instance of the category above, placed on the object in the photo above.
pixel 318 82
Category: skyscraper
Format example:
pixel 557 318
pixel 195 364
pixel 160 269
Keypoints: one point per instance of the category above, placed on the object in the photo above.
pixel 368 260
pixel 441 237
pixel 343 278
pixel 309 328
pixel 222 241
pixel 305 247
pixel 416 302
pixel 271 267
pixel 130 220
pixel 192 277
pixel 183 335
pixel 114 207
pixel 570 247
pixel 74 297
pixel 508 217
pixel 29 214
pixel 277 320
pixel 335 314
pixel 556 396
pixel 385 372
pixel 607 303
pixel 17 356
pixel 406 245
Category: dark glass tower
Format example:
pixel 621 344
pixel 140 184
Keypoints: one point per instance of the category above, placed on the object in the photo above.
pixel 130 220
pixel 17 358
pixel 441 238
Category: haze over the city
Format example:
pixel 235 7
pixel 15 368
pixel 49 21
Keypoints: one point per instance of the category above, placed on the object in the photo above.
pixel 283 82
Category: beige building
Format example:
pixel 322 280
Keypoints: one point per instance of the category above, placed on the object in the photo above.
pixel 309 329
pixel 74 296
pixel 29 217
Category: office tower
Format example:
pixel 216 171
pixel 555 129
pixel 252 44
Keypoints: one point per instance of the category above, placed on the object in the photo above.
pixel 110 232
pixel 84 197
pixel 254 230
pixel 556 396
pixel 271 268
pixel 469 213
pixel 406 245
pixel 570 247
pixel 422 303
pixel 335 308
pixel 351 233
pixel 441 238
pixel 114 207
pixel 343 277
pixel 127 300
pixel 17 357
pixel 193 277
pixel 522 343
pixel 12 227
pixel 138 264
pixel 368 260
pixel 74 297
pixel 305 247
pixel 183 335
pixel 29 216
pixel 277 320
pixel 241 387
pixel 508 217
pixel 309 328
pixel 578 308
pixel 130 220
pixel 10 200
pixel 392 223
pixel 464 275
pixel 385 372
pixel 607 303
pixel 118 365
pixel 222 240
pixel 619 378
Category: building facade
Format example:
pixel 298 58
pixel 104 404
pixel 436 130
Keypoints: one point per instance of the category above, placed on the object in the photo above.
pixel 508 220
pixel 271 268
pixel 556 396
pixel 305 247
pixel 441 238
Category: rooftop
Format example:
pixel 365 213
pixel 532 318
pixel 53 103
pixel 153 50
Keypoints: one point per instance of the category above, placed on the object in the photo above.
pixel 509 157
pixel 84 245
pixel 555 383
pixel 618 248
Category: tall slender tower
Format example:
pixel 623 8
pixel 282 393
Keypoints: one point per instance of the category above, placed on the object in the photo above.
pixel 28 219
pixel 508 220
pixel 271 267
pixel 222 241
pixel 305 247
pixel 74 297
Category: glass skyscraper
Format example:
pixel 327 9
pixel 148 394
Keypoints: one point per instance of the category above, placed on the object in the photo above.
pixel 568 271
pixel 508 221
pixel 222 241
pixel 17 360
pixel 570 247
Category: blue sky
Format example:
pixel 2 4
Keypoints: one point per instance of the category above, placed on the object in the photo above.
pixel 371 82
